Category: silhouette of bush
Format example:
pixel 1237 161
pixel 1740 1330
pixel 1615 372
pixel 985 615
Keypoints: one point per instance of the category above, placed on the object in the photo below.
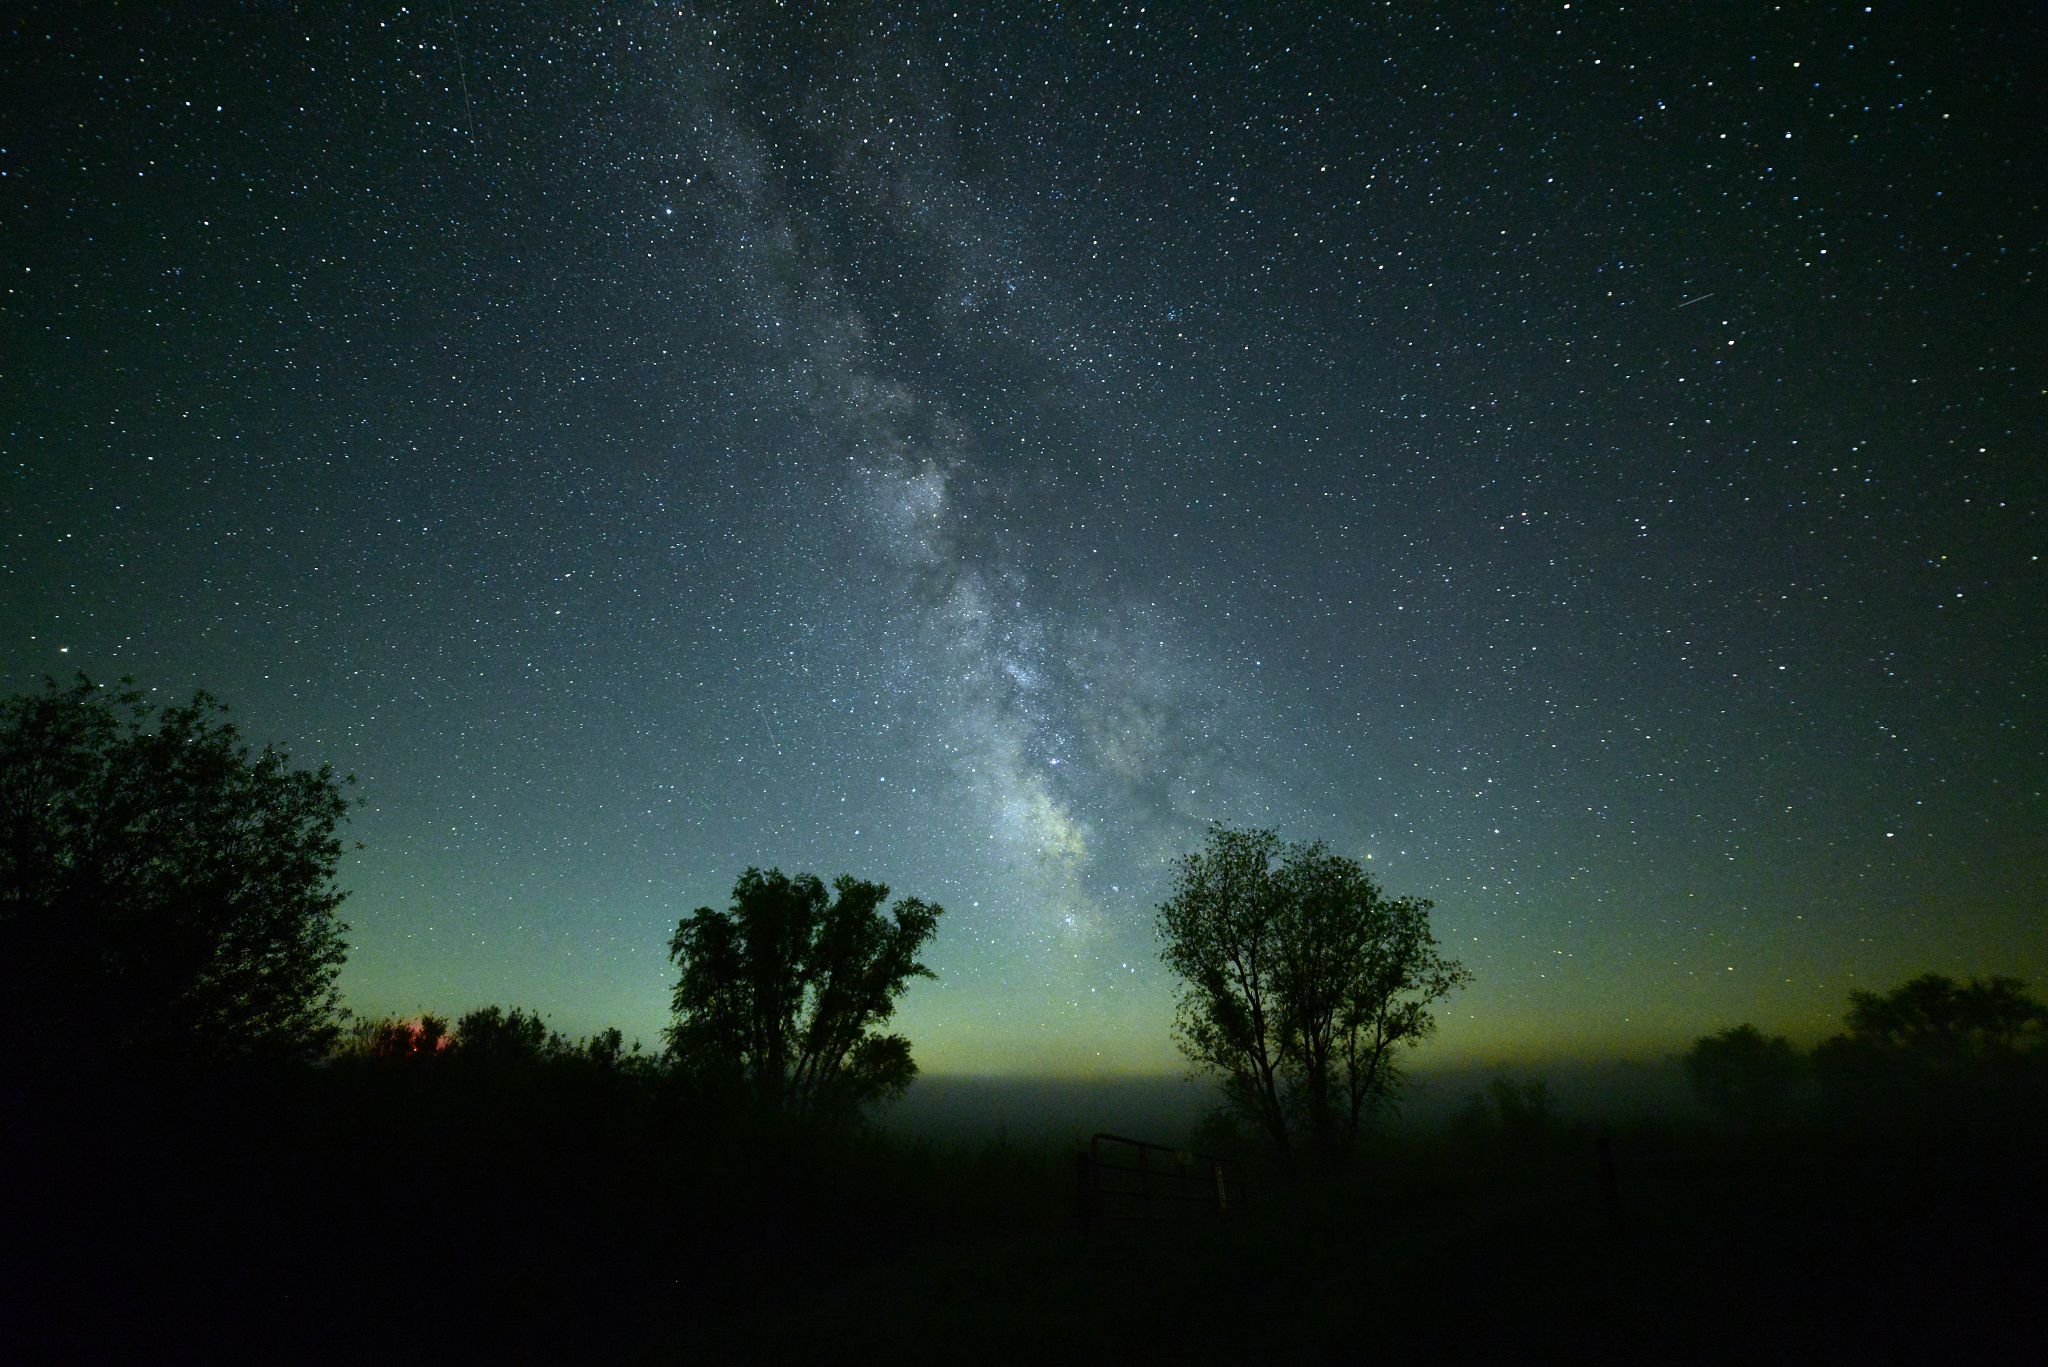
pixel 392 1042
pixel 1512 1111
pixel 491 1037
pixel 1744 1075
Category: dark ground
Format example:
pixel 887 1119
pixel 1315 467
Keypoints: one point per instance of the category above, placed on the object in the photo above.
pixel 578 1219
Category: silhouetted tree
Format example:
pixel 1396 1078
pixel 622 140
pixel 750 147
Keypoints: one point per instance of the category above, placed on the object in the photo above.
pixel 1299 980
pixel 607 1048
pixel 1934 1039
pixel 1936 1018
pixel 166 894
pixel 1517 1111
pixel 1746 1075
pixel 779 998
pixel 1522 1108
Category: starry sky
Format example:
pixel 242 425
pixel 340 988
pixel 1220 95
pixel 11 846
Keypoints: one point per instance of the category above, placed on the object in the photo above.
pixel 1587 460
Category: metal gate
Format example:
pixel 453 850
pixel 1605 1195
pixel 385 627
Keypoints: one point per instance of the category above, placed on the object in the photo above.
pixel 1129 1181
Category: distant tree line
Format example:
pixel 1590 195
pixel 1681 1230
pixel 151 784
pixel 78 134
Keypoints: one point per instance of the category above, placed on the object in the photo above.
pixel 168 906
pixel 1931 1045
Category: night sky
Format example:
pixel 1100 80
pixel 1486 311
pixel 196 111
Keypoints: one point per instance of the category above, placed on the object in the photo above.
pixel 1586 460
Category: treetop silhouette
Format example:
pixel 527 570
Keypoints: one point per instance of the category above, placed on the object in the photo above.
pixel 166 892
pixel 780 999
pixel 1300 980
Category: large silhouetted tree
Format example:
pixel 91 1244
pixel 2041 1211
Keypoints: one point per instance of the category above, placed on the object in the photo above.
pixel 1299 980
pixel 166 894
pixel 780 998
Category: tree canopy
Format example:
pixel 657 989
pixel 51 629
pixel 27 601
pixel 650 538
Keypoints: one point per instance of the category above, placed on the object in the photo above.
pixel 1299 980
pixel 166 893
pixel 1938 1019
pixel 780 999
pixel 1935 1041
pixel 1746 1075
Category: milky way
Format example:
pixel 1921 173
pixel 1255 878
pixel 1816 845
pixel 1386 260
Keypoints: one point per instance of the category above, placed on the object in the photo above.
pixel 1588 463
